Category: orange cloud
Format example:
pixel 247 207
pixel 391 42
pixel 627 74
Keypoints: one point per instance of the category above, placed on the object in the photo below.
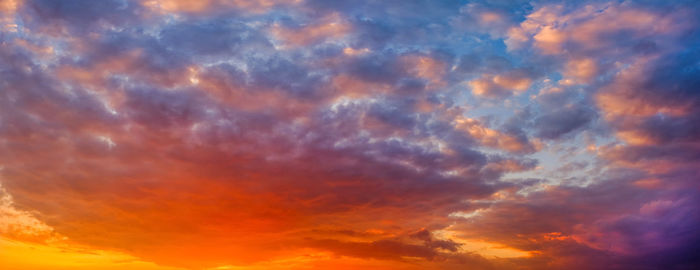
pixel 500 85
pixel 549 40
pixel 22 225
pixel 579 71
pixel 8 10
pixel 620 99
pixel 554 31
pixel 426 68
pixel 329 27
pixel 622 103
pixel 177 6
pixel 493 138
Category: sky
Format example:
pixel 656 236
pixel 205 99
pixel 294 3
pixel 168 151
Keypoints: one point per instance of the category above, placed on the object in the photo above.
pixel 319 134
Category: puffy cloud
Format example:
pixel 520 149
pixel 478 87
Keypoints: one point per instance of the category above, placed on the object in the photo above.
pixel 493 138
pixel 562 121
pixel 557 29
pixel 426 68
pixel 580 71
pixel 501 85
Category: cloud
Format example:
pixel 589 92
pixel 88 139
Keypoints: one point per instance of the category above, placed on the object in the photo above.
pixel 493 138
pixel 502 85
pixel 656 227
pixel 329 27
pixel 556 29
pixel 212 6
pixel 209 38
pixel 563 121
pixel 57 17
pixel 20 224
pixel 580 71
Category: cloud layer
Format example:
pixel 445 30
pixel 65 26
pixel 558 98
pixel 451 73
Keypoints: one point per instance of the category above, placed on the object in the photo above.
pixel 332 134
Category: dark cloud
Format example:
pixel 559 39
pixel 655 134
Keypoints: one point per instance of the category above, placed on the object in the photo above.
pixel 79 15
pixel 563 121
pixel 210 37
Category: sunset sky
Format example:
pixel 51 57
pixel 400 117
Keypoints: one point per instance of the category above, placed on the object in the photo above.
pixel 319 134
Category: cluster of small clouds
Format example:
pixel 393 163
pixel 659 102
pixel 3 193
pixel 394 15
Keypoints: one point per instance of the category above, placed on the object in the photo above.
pixel 209 133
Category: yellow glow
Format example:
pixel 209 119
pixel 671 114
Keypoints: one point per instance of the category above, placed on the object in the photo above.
pixel 486 249
pixel 22 255
pixel 492 250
